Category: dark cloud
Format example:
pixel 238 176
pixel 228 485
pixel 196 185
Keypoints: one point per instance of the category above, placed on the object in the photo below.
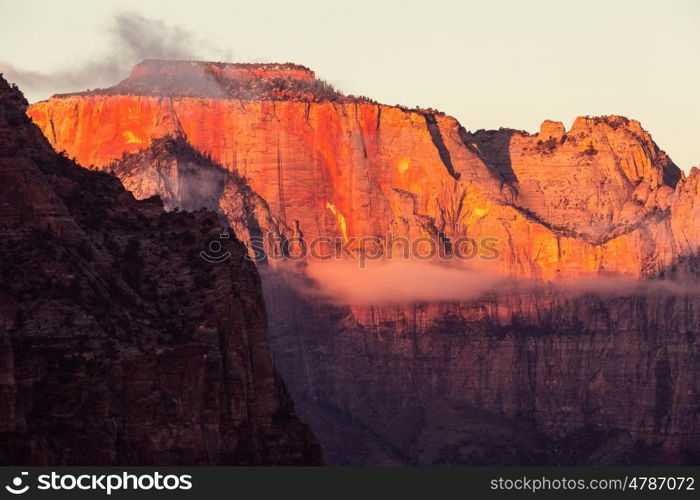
pixel 133 38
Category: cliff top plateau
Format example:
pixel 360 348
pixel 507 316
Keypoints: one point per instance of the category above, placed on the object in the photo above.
pixel 269 81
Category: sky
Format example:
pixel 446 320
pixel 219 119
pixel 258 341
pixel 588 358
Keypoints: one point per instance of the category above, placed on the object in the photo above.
pixel 489 64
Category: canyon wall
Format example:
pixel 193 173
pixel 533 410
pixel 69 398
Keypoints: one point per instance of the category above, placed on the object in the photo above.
pixel 118 343
pixel 601 197
pixel 519 377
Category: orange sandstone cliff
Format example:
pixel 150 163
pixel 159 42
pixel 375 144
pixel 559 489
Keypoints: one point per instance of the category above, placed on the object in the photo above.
pixel 561 378
pixel 601 197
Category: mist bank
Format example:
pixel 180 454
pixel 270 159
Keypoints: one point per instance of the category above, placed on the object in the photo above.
pixel 397 282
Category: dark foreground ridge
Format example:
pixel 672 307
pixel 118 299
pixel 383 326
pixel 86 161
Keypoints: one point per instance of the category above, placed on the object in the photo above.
pixel 118 343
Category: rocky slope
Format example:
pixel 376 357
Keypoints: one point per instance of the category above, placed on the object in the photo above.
pixel 518 377
pixel 118 343
pixel 521 379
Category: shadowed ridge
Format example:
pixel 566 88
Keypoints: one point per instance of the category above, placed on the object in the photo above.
pixel 127 333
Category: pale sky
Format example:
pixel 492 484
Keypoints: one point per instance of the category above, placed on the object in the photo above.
pixel 488 64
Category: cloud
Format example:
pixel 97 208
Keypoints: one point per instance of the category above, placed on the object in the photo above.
pixel 621 286
pixel 133 38
pixel 405 282
pixel 391 282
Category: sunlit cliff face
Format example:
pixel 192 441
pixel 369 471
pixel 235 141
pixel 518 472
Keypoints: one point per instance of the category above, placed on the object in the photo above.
pixel 599 198
pixel 402 345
